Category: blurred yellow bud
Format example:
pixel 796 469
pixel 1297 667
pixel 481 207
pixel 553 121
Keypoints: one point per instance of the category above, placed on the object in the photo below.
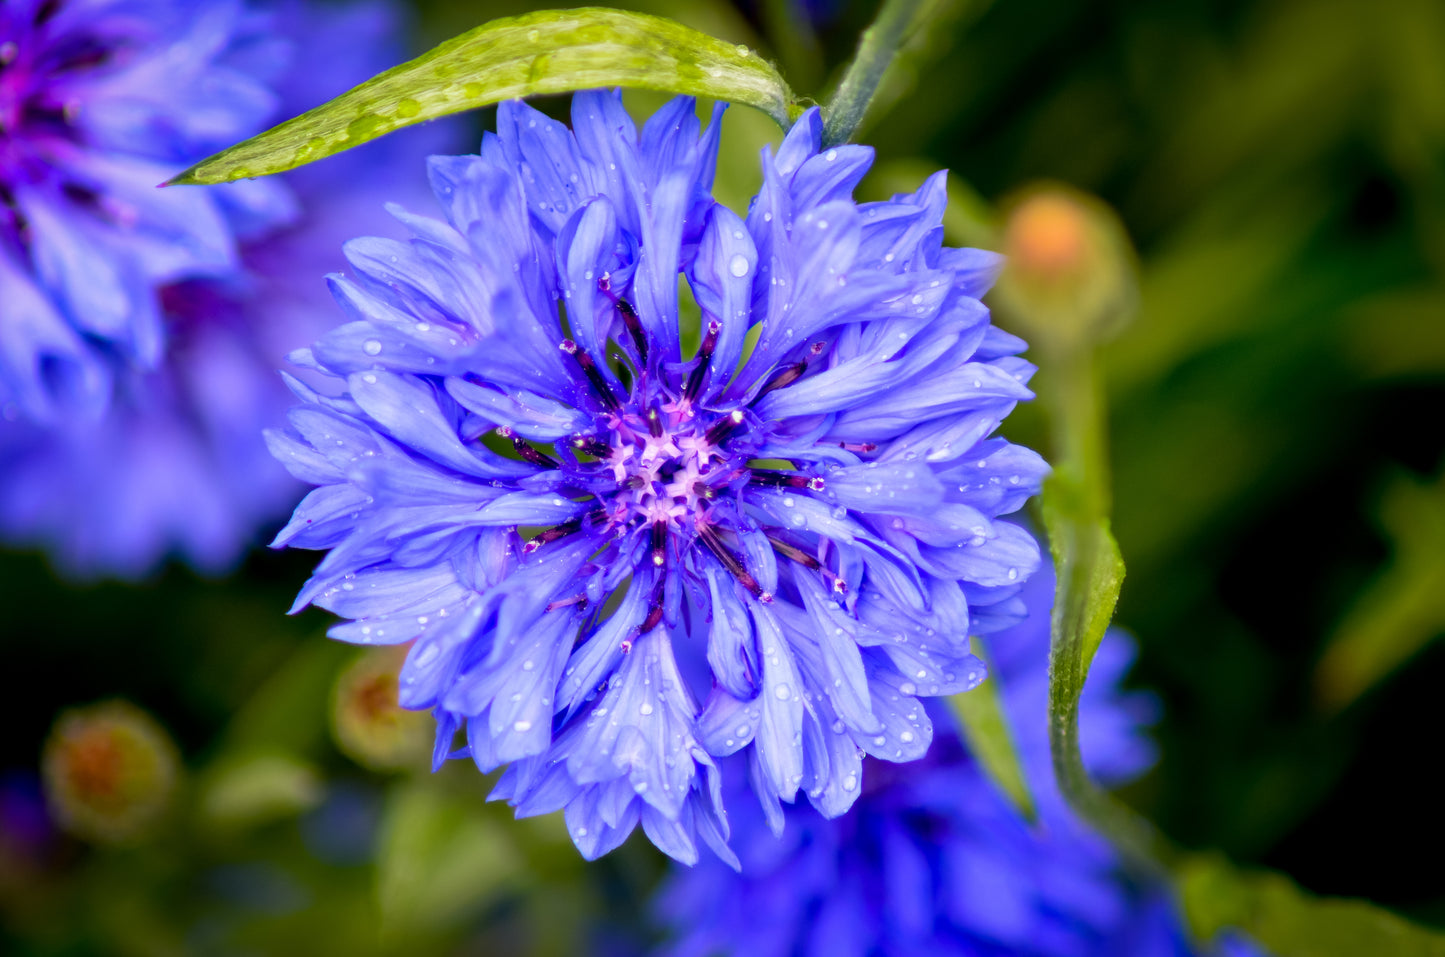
pixel 368 723
pixel 1070 276
pixel 110 772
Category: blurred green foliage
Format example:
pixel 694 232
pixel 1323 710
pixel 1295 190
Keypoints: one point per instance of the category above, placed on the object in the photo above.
pixel 1276 423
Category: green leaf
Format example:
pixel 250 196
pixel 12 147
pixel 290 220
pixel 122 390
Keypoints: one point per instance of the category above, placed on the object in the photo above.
pixel 550 51
pixel 442 857
pixel 256 789
pixel 1403 609
pixel 1090 573
pixel 1287 921
pixel 985 728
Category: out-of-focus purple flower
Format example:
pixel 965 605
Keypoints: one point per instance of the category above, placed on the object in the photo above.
pixel 620 559
pixel 937 861
pixel 99 101
pixel 134 420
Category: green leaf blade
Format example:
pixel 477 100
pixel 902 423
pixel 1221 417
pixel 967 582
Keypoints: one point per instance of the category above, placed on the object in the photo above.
pixel 550 51
pixel 1289 921
pixel 985 728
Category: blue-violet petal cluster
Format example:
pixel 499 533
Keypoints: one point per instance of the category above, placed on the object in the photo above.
pixel 100 100
pixel 936 860
pixel 627 543
pixel 140 328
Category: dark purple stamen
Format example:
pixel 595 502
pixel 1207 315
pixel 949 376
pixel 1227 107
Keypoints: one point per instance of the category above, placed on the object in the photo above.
pixel 591 446
pixel 589 368
pixel 634 327
pixel 783 378
pixel 774 479
pixel 724 427
pixel 526 451
pixel 654 609
pixel 709 537
pixel 704 356
pixel 654 423
pixel 807 561
pixel 659 543
pixel 563 530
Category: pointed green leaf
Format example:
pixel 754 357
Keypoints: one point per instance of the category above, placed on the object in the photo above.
pixel 985 728
pixel 1090 573
pixel 442 857
pixel 550 51
pixel 1403 609
pixel 1287 921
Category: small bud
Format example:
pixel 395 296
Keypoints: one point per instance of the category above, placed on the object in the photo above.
pixel 1070 275
pixel 367 720
pixel 110 772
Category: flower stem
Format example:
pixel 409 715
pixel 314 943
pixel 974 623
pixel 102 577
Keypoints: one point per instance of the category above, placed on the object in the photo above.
pixel 1090 571
pixel 876 49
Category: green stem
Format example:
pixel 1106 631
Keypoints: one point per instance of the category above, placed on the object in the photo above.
pixel 876 49
pixel 1089 574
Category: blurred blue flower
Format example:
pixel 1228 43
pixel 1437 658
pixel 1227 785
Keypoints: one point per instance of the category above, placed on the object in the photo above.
pixel 937 861
pixel 99 101
pixel 140 328
pixel 621 559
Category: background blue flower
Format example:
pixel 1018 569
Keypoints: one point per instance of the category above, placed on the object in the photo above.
pixel 621 559
pixel 164 455
pixel 933 859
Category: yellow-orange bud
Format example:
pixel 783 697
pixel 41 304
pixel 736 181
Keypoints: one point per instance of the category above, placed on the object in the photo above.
pixel 1069 277
pixel 368 723
pixel 110 772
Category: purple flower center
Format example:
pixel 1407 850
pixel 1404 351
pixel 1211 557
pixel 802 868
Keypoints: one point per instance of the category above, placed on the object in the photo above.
pixel 661 458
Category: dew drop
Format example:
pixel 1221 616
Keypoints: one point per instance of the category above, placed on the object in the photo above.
pixel 371 347
pixel 521 726
pixel 782 692
pixel 645 709
pixel 739 266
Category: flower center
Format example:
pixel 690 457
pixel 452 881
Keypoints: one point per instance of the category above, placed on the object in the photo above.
pixel 659 462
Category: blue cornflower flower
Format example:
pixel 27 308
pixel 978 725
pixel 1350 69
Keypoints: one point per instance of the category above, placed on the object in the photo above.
pixel 165 454
pixel 937 861
pixel 621 559
pixel 99 101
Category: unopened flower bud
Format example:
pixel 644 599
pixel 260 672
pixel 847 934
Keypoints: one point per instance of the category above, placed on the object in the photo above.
pixel 110 772
pixel 1070 276
pixel 369 724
